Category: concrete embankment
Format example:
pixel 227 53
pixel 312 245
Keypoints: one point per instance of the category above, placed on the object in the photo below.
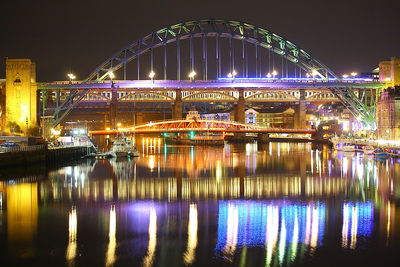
pixel 41 156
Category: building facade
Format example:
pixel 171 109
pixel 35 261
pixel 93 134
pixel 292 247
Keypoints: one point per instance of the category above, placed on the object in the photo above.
pixel 20 93
pixel 390 71
pixel 388 114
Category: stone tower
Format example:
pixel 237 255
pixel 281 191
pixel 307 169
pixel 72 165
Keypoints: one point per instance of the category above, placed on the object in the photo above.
pixel 20 93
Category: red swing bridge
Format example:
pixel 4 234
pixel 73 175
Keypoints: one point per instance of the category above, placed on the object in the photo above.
pixel 181 126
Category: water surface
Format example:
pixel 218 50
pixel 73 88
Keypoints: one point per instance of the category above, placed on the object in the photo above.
pixel 240 205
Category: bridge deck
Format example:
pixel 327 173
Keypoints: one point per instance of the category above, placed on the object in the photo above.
pixel 216 84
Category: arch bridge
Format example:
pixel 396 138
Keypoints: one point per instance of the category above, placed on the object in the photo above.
pixel 181 126
pixel 211 60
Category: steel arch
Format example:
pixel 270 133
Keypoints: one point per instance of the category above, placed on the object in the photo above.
pixel 213 27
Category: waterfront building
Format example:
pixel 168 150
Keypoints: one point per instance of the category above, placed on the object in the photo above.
pixel 390 71
pixel 20 94
pixel 388 114
pixel 277 117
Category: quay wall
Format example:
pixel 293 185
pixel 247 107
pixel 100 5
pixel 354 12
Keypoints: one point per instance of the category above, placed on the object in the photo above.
pixel 41 156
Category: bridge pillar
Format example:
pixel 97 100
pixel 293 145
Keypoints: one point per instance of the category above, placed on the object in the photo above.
pixel 240 113
pixel 263 138
pixel 300 115
pixel 113 107
pixel 178 105
pixel 240 108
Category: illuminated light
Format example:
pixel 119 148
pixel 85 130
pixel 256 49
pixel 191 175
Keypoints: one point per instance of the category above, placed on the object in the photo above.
pixel 71 76
pixel 152 74
pixel 308 75
pixel 111 75
pixel 388 79
pixel 354 225
pixel 119 124
pixel 345 76
pixel 282 241
pixel 231 231
pixel 55 132
pixel 274 73
pixel 72 227
pixel 271 232
pixel 269 75
pixel 314 228
pixel 110 255
pixel 354 74
pixel 345 227
pixel 295 239
pixel 314 73
pixel 192 74
pixel 151 249
pixel 107 129
pixel 190 253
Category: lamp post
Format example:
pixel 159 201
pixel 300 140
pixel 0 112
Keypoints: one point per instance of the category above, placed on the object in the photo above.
pixel 71 77
pixel 232 74
pixel 152 74
pixel 274 73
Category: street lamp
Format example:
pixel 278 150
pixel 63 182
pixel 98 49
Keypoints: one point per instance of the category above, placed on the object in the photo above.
pixel 274 73
pixel 152 74
pixel 269 75
pixel 111 75
pixel 232 74
pixel 192 74
pixel 354 74
pixel 71 77
pixel 345 76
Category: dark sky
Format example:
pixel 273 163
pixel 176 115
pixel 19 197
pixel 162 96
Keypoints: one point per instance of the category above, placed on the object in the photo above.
pixel 62 36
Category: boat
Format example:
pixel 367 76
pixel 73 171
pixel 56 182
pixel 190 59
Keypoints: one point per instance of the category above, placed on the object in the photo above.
pixel 102 155
pixel 369 150
pixel 380 153
pixel 122 147
pixel 348 148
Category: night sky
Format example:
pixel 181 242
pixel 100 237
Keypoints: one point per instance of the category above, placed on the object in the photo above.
pixel 65 36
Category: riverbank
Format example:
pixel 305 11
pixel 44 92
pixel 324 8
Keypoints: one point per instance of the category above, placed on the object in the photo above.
pixel 41 155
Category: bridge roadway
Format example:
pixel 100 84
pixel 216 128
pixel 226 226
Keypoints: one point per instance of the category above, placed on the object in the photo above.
pixel 178 126
pixel 256 83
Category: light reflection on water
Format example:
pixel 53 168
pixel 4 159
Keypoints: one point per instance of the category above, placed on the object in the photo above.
pixel 248 205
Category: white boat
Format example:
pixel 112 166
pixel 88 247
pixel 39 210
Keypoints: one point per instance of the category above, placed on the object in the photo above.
pixel 122 147
pixel 348 148
pixel 369 150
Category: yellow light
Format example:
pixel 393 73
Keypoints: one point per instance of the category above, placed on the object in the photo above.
pixel 314 73
pixel 354 74
pixel 119 124
pixel 108 129
pixel 152 74
pixel 192 74
pixel 345 76
pixel 274 73
pixel 111 75
pixel 71 76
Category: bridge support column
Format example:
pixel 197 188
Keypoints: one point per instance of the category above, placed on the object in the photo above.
pixel 240 113
pixel 178 105
pixel 300 115
pixel 113 108
pixel 263 138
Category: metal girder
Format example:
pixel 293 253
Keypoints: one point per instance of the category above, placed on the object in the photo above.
pixel 213 27
pixel 218 28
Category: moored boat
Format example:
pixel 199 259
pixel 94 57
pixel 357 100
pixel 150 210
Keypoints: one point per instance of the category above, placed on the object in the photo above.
pixel 368 150
pixel 122 147
pixel 348 148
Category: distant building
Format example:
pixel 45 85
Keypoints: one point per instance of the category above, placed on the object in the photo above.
pixel 277 117
pixel 388 114
pixel 193 114
pixel 2 104
pixel 390 71
pixel 223 116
